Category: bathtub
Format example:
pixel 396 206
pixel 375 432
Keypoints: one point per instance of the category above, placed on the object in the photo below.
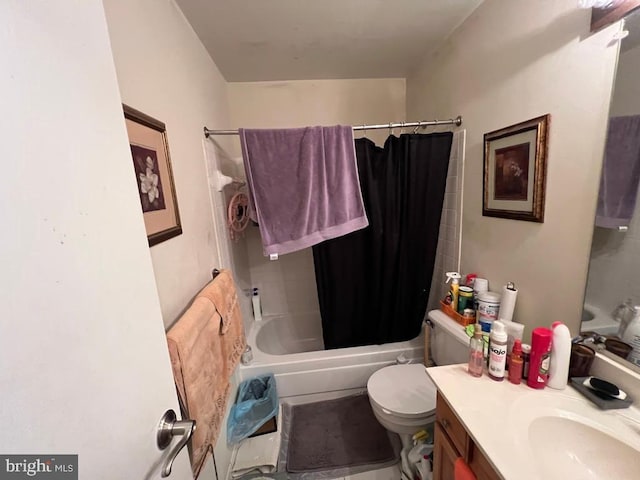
pixel 292 349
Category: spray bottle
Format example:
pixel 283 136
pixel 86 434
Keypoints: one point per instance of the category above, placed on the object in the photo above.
pixel 455 286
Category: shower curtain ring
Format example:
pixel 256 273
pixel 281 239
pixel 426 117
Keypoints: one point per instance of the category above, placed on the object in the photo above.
pixel 402 128
pixel 415 130
pixel 390 128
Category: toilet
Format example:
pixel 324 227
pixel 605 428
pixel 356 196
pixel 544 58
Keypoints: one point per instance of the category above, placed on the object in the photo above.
pixel 402 397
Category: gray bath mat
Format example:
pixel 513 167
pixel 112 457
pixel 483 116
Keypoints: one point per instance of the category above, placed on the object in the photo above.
pixel 335 434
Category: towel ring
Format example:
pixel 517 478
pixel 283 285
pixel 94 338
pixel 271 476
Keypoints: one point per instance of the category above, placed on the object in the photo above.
pixel 238 215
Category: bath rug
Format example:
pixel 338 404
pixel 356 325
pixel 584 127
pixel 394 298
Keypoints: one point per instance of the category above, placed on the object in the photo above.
pixel 336 434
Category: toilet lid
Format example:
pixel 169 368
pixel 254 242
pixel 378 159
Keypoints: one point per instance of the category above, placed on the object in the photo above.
pixel 404 390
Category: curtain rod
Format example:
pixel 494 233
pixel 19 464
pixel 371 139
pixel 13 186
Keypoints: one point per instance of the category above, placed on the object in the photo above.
pixel 422 124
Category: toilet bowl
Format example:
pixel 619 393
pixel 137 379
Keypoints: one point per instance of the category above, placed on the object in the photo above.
pixel 402 397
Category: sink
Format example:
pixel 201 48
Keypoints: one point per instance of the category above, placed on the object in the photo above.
pixel 562 436
pixel 569 449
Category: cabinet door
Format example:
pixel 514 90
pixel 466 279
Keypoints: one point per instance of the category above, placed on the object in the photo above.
pixel 444 455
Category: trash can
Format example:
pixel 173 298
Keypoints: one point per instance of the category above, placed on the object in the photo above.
pixel 256 404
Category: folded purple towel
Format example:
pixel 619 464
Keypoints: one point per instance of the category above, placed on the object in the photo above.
pixel 620 173
pixel 303 185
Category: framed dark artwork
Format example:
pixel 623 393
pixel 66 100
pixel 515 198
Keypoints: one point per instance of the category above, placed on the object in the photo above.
pixel 515 167
pixel 614 11
pixel 152 165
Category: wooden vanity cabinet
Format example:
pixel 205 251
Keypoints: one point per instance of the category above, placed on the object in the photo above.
pixel 451 442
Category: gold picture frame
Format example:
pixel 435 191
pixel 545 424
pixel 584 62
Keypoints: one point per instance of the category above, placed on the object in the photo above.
pixel 515 168
pixel 152 164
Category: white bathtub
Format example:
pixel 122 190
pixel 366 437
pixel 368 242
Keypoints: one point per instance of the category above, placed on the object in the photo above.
pixel 292 349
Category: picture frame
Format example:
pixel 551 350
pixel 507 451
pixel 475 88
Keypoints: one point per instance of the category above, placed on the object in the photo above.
pixel 515 168
pixel 152 164
pixel 617 9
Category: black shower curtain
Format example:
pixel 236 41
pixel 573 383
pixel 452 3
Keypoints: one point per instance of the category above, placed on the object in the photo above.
pixel 373 284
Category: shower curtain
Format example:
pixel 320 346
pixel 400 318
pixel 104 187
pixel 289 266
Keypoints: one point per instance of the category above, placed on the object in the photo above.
pixel 373 284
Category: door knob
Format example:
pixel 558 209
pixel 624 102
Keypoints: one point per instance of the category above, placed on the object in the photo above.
pixel 168 428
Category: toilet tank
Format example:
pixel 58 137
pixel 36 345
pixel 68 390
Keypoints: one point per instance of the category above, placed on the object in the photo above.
pixel 449 341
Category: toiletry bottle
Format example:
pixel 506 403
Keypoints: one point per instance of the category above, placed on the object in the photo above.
pixel 526 358
pixel 454 277
pixel 255 302
pixel 560 355
pixel 476 357
pixel 632 337
pixel 539 360
pixel 516 363
pixel 497 351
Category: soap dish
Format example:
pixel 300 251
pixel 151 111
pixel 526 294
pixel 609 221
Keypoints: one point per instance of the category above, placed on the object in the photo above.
pixel 602 400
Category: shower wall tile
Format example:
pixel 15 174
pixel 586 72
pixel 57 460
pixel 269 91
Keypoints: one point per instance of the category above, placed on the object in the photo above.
pixel 286 285
pixel 448 250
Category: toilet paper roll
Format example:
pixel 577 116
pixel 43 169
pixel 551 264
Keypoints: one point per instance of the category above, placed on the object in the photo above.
pixel 508 303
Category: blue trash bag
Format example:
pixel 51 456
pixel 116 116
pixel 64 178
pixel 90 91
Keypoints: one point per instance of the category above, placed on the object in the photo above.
pixel 256 403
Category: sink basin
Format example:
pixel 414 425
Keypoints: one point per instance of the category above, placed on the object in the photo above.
pixel 568 449
pixel 587 315
pixel 562 436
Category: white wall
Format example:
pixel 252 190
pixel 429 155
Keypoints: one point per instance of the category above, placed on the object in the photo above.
pixel 509 62
pixel 164 71
pixel 615 256
pixel 85 367
pixel 288 284
pixel 626 95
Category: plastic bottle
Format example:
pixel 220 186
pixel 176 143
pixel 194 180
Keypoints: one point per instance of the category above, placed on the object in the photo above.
pixel 497 351
pixel 454 277
pixel 526 358
pixel 516 363
pixel 560 355
pixel 632 337
pixel 255 302
pixel 476 356
pixel 539 359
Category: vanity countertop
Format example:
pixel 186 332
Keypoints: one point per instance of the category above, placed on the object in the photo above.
pixel 540 434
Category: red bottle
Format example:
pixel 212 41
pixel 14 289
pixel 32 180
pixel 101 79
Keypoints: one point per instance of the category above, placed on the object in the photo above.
pixel 540 353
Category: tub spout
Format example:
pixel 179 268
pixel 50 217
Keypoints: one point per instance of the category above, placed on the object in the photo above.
pixel 402 359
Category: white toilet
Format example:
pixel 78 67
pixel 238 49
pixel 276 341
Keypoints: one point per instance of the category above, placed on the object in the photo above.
pixel 402 397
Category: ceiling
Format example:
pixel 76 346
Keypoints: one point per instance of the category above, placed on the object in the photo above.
pixel 254 40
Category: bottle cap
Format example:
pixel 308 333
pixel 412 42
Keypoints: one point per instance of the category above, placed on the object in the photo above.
pixel 478 331
pixel 526 348
pixel 498 327
pixel 517 347
pixel 455 276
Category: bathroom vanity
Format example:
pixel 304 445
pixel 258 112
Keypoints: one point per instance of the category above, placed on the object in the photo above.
pixel 453 441
pixel 506 431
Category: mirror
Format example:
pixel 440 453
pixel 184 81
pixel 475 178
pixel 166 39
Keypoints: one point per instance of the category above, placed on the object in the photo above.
pixel 613 284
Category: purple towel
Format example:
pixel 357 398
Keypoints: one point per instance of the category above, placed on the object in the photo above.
pixel 620 173
pixel 303 185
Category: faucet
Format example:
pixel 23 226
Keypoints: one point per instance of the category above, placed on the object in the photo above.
pixel 623 314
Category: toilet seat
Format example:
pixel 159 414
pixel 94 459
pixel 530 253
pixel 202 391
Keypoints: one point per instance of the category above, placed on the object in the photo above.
pixel 403 390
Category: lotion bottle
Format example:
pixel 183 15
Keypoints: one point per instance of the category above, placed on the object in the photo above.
pixel 257 308
pixel 497 351
pixel 476 356
pixel 560 356
pixel 539 360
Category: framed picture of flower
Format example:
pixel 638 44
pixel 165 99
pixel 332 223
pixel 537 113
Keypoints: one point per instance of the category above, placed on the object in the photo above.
pixel 152 165
pixel 515 166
